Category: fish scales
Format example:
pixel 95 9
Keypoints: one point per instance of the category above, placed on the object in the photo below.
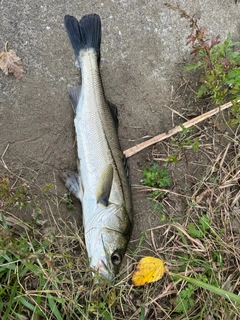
pixel 90 121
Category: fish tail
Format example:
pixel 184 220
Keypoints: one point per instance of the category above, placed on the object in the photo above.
pixel 85 34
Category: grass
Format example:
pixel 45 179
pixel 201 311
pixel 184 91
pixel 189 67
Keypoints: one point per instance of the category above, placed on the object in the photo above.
pixel 47 276
pixel 202 242
pixel 204 246
pixel 36 274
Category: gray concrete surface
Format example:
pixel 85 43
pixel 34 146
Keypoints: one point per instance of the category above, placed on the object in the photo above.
pixel 142 57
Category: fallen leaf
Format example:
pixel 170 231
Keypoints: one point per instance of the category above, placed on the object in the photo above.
pixel 11 63
pixel 148 270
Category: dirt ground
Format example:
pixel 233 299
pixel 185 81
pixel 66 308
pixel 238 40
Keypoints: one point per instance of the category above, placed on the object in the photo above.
pixel 142 57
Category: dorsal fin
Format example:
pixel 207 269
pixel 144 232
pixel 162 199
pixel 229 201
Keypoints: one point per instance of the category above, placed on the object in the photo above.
pixel 126 167
pixel 114 112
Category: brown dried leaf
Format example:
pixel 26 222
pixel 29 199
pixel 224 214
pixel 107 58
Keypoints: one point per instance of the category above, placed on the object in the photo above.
pixel 11 63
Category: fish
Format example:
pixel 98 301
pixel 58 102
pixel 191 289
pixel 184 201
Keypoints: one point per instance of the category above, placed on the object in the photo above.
pixel 101 182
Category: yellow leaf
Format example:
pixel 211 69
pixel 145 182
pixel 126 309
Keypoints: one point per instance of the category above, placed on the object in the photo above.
pixel 148 270
pixel 11 63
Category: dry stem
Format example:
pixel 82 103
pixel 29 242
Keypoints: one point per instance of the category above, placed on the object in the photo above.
pixel 133 150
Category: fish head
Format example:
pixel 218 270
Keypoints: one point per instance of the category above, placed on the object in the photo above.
pixel 114 245
pixel 109 240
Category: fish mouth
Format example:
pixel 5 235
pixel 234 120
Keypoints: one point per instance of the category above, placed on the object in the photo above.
pixel 103 269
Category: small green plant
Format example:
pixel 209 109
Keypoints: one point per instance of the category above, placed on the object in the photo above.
pixel 12 196
pixel 203 226
pixel 158 179
pixel 218 62
pixel 69 201
pixel 179 143
pixel 171 158
pixel 185 300
pixel 187 141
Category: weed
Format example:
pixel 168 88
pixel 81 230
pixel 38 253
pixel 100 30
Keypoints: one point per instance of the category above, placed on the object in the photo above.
pixel 172 158
pixel 13 196
pixel 200 231
pixel 178 145
pixel 203 247
pixel 211 260
pixel 35 278
pixel 68 198
pixel 185 300
pixel 157 179
pixel 218 62
pixel 181 142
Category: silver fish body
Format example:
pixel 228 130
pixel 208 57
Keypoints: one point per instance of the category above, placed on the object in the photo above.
pixel 101 183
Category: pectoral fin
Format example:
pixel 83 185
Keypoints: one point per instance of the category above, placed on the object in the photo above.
pixel 104 185
pixel 73 183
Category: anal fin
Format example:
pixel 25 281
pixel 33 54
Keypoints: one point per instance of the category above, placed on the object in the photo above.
pixel 74 95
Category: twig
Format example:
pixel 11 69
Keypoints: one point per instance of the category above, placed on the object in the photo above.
pixel 6 167
pixel 146 188
pixel 133 150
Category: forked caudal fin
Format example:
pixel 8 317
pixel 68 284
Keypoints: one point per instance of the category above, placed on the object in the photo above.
pixel 85 34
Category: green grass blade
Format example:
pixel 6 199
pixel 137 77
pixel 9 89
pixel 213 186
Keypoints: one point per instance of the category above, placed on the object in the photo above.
pixel 10 303
pixel 5 226
pixel 19 316
pixel 54 307
pixel 228 295
pixel 142 315
pixel 27 304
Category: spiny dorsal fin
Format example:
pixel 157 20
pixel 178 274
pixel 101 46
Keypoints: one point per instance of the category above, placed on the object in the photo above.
pixel 104 185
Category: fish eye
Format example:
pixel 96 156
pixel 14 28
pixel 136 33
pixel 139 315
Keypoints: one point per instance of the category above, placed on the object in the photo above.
pixel 116 258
